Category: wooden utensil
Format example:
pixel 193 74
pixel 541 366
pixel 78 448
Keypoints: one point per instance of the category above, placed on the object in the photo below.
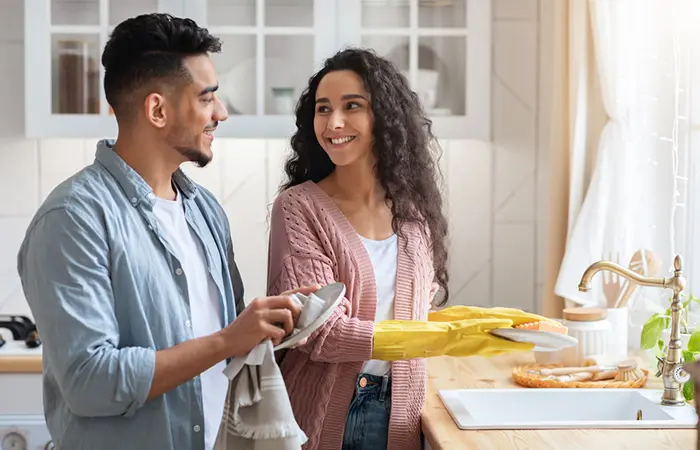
pixel 612 283
pixel 641 260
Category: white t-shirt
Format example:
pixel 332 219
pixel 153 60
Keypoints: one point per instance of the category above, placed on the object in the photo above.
pixel 384 256
pixel 204 305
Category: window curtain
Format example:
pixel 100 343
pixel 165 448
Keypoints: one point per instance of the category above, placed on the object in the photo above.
pixel 626 67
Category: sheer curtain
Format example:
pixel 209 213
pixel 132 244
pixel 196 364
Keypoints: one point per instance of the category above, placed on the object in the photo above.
pixel 636 195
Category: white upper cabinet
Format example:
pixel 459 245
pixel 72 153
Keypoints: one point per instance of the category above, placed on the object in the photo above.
pixel 444 49
pixel 270 49
pixel 63 74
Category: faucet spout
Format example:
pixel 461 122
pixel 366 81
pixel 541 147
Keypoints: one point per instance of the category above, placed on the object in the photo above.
pixel 585 284
pixel 671 367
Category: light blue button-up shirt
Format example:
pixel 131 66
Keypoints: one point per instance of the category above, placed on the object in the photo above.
pixel 106 293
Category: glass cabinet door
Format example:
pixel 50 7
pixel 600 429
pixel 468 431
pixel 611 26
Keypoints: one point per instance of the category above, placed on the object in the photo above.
pixel 270 49
pixel 64 40
pixel 426 40
pixel 79 30
pixel 441 46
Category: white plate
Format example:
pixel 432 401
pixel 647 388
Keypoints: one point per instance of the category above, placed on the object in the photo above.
pixel 545 341
pixel 332 294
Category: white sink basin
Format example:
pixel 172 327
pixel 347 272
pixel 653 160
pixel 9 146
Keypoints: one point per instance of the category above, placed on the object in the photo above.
pixel 508 409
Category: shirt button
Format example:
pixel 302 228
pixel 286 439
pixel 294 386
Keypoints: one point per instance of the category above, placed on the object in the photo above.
pixel 151 196
pixel 178 271
pixel 196 428
pixel 134 200
pixel 188 324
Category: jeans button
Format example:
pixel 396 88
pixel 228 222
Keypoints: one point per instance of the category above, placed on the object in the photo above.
pixel 363 382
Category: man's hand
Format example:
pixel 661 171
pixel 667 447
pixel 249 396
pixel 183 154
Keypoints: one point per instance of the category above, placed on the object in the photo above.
pixel 265 318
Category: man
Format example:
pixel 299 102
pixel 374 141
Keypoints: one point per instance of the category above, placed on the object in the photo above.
pixel 128 265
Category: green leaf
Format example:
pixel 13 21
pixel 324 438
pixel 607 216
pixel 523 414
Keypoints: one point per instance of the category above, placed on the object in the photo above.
pixel 688 391
pixel 652 332
pixel 661 344
pixel 688 356
pixel 694 342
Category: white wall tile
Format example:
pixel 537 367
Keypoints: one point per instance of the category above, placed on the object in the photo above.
pixel 475 291
pixel 542 210
pixel 11 20
pixel 515 10
pixel 539 289
pixel 59 159
pixel 515 58
pixel 18 178
pixel 210 176
pixel 90 148
pixel 515 106
pixel 11 297
pixel 519 206
pixel 443 166
pixel 544 125
pixel 469 197
pixel 245 203
pixel 513 268
pixel 278 150
pixel 11 90
pixel 514 140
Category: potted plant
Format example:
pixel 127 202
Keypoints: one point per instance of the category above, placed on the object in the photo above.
pixel 656 332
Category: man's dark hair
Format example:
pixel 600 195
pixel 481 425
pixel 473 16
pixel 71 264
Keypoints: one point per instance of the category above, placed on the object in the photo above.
pixel 147 50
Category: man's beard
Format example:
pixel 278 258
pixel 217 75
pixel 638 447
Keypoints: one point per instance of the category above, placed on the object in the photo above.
pixel 190 152
pixel 198 157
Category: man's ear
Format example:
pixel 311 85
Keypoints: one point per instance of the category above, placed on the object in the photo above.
pixel 155 110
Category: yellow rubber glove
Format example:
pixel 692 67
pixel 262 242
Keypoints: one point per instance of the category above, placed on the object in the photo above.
pixel 460 312
pixel 454 331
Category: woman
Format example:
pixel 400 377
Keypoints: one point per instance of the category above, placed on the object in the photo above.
pixel 362 206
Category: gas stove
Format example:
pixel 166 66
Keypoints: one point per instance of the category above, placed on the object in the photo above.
pixel 21 427
pixel 21 329
pixel 24 432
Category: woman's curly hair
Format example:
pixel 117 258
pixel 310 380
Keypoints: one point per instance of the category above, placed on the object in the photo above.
pixel 405 148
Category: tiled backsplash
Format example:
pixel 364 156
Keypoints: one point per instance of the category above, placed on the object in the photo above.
pixel 496 192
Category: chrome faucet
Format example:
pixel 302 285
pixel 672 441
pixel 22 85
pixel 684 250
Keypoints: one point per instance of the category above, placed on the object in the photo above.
pixel 670 367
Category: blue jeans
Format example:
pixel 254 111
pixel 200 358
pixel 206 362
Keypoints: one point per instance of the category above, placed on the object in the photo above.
pixel 367 423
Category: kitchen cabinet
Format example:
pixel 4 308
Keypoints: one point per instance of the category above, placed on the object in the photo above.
pixel 270 49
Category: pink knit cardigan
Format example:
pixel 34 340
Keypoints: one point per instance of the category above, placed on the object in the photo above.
pixel 311 241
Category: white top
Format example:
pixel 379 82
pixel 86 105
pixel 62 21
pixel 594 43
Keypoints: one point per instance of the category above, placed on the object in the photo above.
pixel 204 305
pixel 384 256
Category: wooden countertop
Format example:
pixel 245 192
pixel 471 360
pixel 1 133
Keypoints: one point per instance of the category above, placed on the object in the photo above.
pixel 15 357
pixel 476 372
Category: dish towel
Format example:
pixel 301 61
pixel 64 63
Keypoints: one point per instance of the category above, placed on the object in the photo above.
pixel 257 411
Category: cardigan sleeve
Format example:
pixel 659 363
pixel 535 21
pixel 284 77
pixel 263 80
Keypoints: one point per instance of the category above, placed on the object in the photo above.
pixel 342 338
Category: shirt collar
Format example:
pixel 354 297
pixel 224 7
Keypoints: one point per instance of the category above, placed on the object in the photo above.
pixel 134 186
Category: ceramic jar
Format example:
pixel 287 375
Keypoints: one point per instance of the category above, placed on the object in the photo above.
pixel 591 328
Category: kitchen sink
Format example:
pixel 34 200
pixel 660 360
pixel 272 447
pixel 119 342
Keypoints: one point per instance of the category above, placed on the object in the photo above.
pixel 509 409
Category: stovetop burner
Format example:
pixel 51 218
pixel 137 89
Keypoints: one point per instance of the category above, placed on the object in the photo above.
pixel 22 329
